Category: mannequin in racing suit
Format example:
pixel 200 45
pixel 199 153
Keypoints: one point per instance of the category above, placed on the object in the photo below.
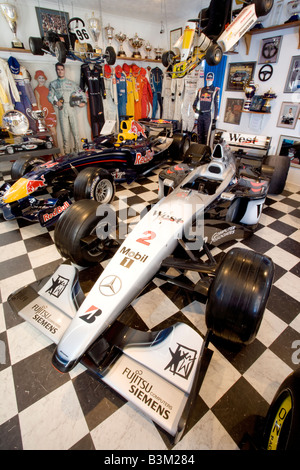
pixel 91 79
pixel 206 105
pixel 191 85
pixel 60 93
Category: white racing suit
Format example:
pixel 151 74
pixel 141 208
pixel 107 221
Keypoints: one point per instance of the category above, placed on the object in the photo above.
pixel 168 103
pixel 64 89
pixel 191 86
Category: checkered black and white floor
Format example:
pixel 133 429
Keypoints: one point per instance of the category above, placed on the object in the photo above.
pixel 42 409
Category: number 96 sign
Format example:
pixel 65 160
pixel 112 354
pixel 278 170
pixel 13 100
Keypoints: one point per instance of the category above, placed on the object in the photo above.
pixel 82 35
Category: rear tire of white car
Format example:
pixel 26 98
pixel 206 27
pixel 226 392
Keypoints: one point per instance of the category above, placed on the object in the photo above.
pixel 79 222
pixel 24 165
pixel 94 183
pixel 263 7
pixel 214 54
pixel 238 295
pixel 281 165
pixel 282 431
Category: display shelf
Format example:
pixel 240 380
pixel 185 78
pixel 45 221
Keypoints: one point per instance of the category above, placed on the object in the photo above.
pixel 249 34
pixel 136 59
pixel 14 49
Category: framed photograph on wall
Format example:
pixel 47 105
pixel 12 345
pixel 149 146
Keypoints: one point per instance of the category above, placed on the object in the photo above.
pixel 175 35
pixel 290 147
pixel 270 49
pixel 293 78
pixel 53 20
pixel 289 113
pixel 233 110
pixel 239 73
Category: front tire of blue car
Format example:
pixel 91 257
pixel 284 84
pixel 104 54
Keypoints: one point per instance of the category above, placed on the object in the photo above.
pixel 96 184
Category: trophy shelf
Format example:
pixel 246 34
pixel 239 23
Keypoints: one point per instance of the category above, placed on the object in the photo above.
pixel 136 59
pixel 14 49
pixel 248 36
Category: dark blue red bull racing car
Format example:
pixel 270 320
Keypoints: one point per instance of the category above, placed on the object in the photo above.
pixel 92 173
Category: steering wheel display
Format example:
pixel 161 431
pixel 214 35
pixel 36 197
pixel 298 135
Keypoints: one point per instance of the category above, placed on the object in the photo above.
pixel 265 73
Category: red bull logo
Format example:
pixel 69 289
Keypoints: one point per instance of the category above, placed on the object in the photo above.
pixel 33 185
pixel 137 128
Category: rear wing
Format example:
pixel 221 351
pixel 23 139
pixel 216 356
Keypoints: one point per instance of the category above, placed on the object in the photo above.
pixel 245 145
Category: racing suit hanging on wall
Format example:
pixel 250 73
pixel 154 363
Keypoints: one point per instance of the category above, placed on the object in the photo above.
pixel 132 94
pixel 91 79
pixel 191 85
pixel 156 80
pixel 122 91
pixel 207 105
pixel 146 94
pixel 177 89
pixel 168 103
pixel 111 101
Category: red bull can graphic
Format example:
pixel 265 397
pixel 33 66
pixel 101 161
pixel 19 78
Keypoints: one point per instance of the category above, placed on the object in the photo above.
pixel 33 185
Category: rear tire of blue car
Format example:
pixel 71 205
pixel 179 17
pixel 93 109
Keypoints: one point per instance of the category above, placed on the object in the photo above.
pixel 196 153
pixel 94 183
pixel 179 146
pixel 238 295
pixel 73 233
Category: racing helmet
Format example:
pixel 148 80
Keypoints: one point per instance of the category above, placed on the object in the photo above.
pixel 76 99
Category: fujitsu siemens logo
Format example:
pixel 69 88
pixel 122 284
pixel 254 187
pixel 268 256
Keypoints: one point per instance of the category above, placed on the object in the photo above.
pixel 110 285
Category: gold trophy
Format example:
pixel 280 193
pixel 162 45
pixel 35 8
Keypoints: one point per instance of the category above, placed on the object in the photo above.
pixel 38 115
pixel 121 37
pixel 136 43
pixel 109 30
pixel 10 14
pixel 148 49
pixel 158 53
pixel 94 27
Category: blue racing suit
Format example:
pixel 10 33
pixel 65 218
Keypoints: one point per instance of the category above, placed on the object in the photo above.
pixel 156 81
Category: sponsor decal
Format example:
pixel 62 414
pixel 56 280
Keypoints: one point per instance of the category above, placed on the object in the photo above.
pixel 165 216
pixel 223 233
pixel 33 185
pixel 56 211
pixel 182 361
pixel 110 285
pixel 132 255
pixel 49 165
pixel 42 316
pixel 91 314
pixel 141 159
pixel 242 139
pixel 58 286
pixel 137 128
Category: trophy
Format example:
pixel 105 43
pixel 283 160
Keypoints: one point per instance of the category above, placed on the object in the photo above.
pixel 249 89
pixel 38 115
pixel 268 96
pixel 121 37
pixel 94 26
pixel 148 49
pixel 10 13
pixel 158 53
pixel 109 30
pixel 136 43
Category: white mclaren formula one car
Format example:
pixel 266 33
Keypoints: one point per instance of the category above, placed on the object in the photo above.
pixel 206 201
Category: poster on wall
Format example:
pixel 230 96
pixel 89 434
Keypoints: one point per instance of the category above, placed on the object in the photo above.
pixel 53 20
pixel 233 110
pixel 288 115
pixel 239 73
pixel 293 78
pixel 290 147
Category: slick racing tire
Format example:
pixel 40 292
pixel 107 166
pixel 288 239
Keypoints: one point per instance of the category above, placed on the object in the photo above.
pixel 263 7
pixel 167 58
pixel 281 165
pixel 238 295
pixel 281 430
pixel 110 55
pixel 60 52
pixel 213 55
pixel 179 146
pixel 36 46
pixel 94 183
pixel 73 230
pixel 25 165
pixel 196 153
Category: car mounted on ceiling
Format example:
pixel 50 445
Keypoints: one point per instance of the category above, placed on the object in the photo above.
pixel 139 148
pixel 208 37
pixel 74 45
pixel 203 203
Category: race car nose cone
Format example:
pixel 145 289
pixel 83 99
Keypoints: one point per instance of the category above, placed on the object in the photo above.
pixel 17 191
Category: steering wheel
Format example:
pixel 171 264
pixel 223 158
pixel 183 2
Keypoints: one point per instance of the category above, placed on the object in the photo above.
pixel 269 50
pixel 265 72
pixel 78 20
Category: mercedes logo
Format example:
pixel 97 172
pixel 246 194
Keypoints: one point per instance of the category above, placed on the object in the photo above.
pixel 110 285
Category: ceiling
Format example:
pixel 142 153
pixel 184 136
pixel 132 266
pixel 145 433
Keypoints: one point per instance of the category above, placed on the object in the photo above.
pixel 168 11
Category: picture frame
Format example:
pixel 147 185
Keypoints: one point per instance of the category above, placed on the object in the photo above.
pixel 270 49
pixel 257 103
pixel 233 110
pixel 175 34
pixel 290 146
pixel 239 73
pixel 293 75
pixel 288 115
pixel 52 20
